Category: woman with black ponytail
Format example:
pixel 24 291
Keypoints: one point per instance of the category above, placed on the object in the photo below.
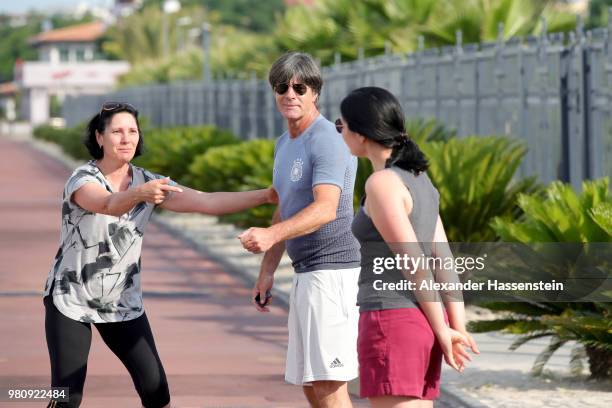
pixel 95 277
pixel 404 332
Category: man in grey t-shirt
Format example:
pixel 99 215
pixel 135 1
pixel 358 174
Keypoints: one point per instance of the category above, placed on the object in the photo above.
pixel 314 174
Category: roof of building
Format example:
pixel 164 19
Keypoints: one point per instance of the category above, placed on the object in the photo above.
pixel 87 32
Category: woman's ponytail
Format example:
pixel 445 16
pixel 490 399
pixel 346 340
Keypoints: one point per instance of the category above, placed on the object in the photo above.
pixel 406 155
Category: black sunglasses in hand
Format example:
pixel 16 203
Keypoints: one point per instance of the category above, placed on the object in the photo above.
pixel 266 300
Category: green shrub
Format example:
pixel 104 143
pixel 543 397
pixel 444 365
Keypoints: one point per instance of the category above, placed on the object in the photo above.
pixel 47 133
pixel 364 169
pixel 562 216
pixel 69 139
pixel 475 178
pixel 72 143
pixel 170 151
pixel 238 167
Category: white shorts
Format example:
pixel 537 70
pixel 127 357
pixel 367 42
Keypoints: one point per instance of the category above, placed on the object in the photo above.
pixel 323 319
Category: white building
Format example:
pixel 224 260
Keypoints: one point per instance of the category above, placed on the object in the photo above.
pixel 69 44
pixel 69 64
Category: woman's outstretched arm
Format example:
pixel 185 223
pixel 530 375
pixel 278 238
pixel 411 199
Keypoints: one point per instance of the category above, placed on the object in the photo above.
pixel 95 198
pixel 218 203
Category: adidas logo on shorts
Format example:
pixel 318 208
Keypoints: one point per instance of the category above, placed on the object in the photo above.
pixel 336 363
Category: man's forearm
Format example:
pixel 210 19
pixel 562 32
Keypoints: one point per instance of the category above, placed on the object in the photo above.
pixel 273 255
pixel 272 258
pixel 304 222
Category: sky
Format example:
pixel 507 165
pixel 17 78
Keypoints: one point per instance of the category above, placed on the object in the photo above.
pixel 19 6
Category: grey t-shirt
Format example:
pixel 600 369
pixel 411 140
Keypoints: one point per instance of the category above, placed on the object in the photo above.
pixel 317 156
pixel 96 273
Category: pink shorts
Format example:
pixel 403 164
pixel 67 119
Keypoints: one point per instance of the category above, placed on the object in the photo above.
pixel 398 354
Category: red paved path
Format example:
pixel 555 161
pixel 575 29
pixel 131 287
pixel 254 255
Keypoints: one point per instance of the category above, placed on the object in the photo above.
pixel 217 350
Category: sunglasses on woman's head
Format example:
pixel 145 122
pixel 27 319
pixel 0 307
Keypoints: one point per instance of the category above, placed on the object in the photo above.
pixel 299 89
pixel 111 106
pixel 339 125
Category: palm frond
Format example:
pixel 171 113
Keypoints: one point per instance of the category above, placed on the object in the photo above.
pixel 482 326
pixel 544 356
pixel 577 357
pixel 524 339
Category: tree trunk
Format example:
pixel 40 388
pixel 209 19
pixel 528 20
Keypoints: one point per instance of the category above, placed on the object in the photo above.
pixel 600 362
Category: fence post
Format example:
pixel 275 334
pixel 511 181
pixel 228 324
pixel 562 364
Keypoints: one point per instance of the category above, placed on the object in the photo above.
pixel 437 103
pixel 362 66
pixel 387 48
pixel 204 98
pixel 523 94
pixel 420 73
pixel 576 105
pixel 458 78
pixel 270 124
pixel 252 134
pixel 187 106
pixel 499 73
pixel 337 58
pixel 586 108
pixel 541 75
pixel 210 101
pixel 566 63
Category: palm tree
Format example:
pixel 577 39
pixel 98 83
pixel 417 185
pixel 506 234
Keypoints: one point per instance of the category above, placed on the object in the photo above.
pixel 138 38
pixel 344 26
pixel 487 20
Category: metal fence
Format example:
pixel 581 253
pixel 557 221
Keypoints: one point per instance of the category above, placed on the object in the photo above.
pixel 553 91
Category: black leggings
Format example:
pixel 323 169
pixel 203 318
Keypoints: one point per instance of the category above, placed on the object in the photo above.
pixel 132 341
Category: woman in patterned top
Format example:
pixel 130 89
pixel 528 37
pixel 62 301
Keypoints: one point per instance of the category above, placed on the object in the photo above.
pixel 95 277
